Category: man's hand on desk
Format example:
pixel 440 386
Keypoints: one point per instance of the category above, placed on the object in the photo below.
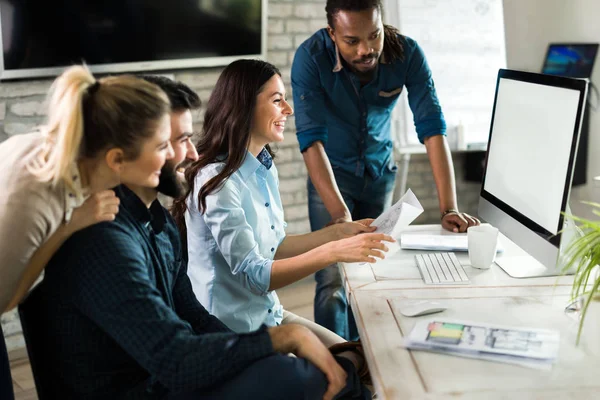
pixel 456 221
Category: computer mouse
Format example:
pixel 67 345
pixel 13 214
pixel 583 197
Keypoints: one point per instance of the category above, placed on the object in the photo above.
pixel 416 309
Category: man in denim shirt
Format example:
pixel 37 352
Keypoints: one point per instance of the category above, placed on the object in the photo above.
pixel 346 80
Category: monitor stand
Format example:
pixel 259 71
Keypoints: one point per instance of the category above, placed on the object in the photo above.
pixel 525 267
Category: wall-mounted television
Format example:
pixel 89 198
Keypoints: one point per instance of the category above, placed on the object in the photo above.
pixel 41 37
pixel 573 60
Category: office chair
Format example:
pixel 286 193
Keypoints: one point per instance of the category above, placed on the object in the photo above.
pixel 6 385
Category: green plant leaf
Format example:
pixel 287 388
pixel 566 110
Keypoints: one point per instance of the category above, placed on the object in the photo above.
pixel 583 255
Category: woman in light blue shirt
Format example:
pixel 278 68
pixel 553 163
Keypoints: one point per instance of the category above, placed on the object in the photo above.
pixel 232 216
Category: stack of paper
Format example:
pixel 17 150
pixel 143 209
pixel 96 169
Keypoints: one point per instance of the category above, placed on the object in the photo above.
pixel 535 348
pixel 427 238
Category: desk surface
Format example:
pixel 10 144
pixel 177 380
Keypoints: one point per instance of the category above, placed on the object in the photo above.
pixel 378 291
pixel 399 271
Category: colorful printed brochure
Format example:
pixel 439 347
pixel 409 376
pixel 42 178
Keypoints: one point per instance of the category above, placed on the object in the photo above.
pixel 537 348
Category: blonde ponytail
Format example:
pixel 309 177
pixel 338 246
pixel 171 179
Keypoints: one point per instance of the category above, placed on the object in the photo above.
pixel 64 130
pixel 87 117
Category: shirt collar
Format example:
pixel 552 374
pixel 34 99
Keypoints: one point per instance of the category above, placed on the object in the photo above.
pixel 265 158
pixel 154 216
pixel 74 195
pixel 251 164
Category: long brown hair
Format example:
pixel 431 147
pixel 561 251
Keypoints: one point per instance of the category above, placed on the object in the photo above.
pixel 226 130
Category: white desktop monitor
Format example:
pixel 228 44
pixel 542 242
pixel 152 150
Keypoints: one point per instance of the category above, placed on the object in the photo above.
pixel 533 140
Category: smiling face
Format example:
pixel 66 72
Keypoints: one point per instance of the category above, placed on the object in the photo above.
pixel 145 170
pixel 358 36
pixel 172 178
pixel 270 115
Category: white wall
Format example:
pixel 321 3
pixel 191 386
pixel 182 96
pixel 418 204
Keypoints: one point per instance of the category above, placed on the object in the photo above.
pixel 529 26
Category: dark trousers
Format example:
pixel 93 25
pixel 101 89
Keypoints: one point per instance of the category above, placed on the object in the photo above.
pixel 365 198
pixel 6 386
pixel 281 377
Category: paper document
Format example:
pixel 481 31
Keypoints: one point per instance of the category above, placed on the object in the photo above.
pixel 436 239
pixel 536 348
pixel 393 220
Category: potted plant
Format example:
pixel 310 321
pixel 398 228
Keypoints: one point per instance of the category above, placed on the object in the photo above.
pixel 583 255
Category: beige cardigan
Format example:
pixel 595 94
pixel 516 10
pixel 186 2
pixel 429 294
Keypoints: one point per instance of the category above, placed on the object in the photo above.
pixel 30 210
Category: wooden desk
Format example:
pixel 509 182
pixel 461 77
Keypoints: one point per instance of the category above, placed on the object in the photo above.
pixel 377 292
pixel 399 271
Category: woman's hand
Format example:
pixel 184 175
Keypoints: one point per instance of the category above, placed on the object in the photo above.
pixel 360 248
pixel 99 207
pixel 349 229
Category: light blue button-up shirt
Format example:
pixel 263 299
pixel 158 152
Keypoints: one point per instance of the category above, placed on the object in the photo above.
pixel 231 246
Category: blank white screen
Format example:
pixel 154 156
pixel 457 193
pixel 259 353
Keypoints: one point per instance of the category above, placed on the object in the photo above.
pixel 530 147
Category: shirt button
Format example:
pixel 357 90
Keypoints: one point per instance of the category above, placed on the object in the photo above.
pixel 272 248
pixel 364 114
pixel 270 311
pixel 301 97
pixel 266 204
pixel 363 129
pixel 272 226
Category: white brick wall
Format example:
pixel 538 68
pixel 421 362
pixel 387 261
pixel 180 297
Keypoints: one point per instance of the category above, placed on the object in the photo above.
pixel 28 109
pixel 290 23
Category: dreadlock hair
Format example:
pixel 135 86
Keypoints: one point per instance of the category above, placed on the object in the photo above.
pixel 392 44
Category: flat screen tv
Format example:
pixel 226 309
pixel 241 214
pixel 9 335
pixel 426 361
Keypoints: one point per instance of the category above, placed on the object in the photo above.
pixel 573 60
pixel 41 37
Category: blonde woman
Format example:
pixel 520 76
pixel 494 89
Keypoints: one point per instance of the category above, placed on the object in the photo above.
pixel 56 181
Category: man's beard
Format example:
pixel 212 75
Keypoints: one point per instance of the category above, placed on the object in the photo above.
pixel 169 183
pixel 363 74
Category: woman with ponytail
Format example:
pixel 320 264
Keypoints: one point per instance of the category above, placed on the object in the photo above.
pixel 56 181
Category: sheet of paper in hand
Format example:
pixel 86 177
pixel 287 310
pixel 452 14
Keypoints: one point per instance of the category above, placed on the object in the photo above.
pixel 393 220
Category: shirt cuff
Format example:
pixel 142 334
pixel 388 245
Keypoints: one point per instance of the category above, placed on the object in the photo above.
pixel 307 137
pixel 264 276
pixel 431 127
pixel 257 271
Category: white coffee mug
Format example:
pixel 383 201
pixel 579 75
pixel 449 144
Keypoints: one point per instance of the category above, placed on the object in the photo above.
pixel 483 244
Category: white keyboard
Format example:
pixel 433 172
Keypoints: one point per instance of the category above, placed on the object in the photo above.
pixel 441 269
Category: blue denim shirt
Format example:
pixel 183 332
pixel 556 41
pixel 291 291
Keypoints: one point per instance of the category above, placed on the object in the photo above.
pixel 353 122
pixel 232 244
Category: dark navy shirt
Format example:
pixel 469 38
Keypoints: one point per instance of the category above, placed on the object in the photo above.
pixel 122 319
pixel 353 122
